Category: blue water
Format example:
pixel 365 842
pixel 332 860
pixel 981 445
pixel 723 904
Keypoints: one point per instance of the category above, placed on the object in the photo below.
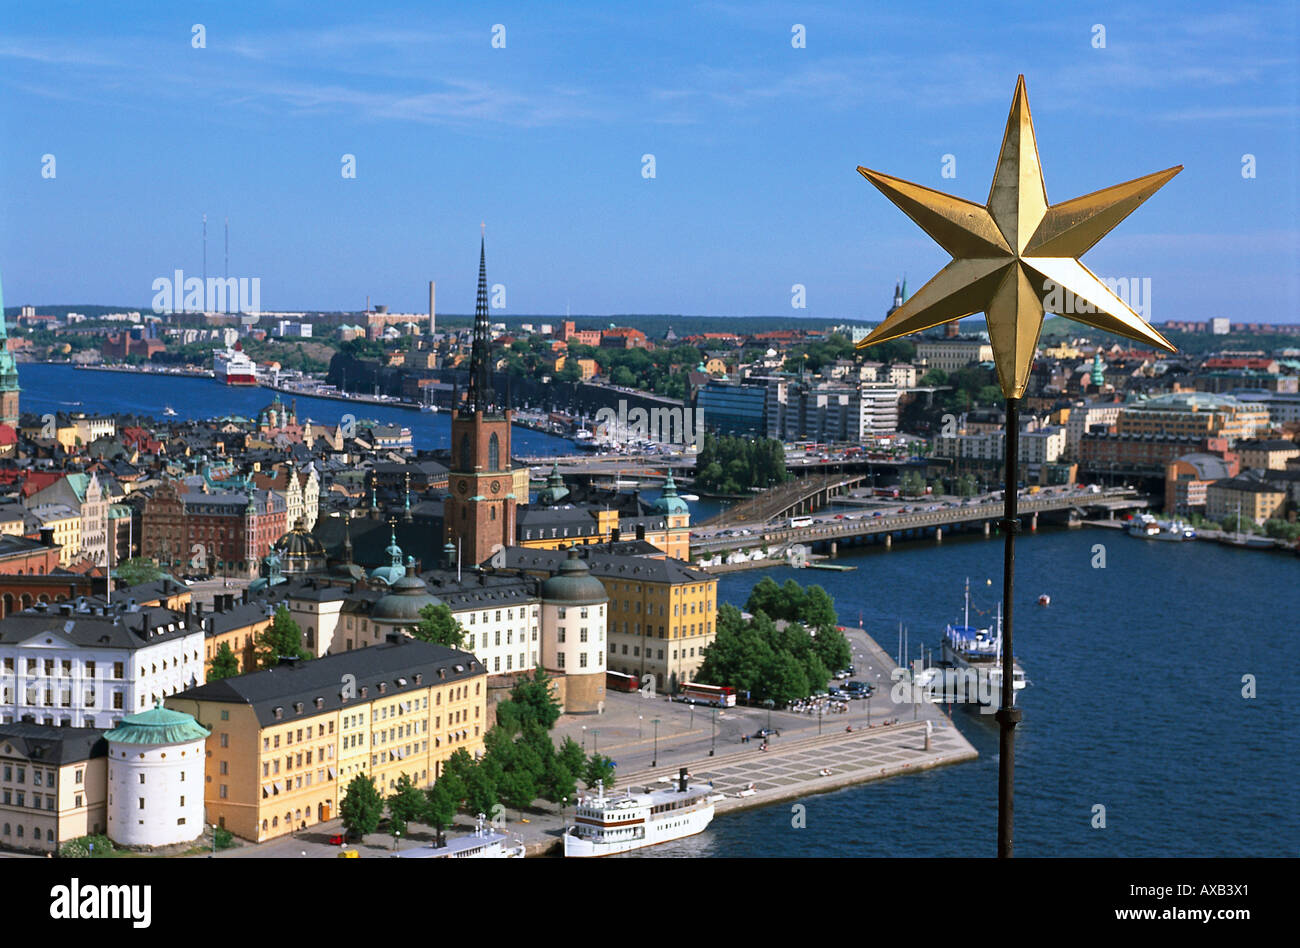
pixel 1136 704
pixel 63 388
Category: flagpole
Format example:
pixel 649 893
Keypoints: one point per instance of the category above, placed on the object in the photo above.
pixel 1008 715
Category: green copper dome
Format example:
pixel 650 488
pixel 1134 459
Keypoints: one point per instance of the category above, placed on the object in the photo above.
pixel 403 602
pixel 158 725
pixel 390 574
pixel 669 502
pixel 573 584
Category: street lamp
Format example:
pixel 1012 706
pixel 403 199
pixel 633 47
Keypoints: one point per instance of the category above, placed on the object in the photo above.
pixel 819 717
pixel 584 738
pixel 639 719
pixel 595 741
pixel 713 738
pixel 770 704
pixel 655 760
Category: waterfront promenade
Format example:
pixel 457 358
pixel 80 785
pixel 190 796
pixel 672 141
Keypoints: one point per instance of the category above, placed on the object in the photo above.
pixel 789 771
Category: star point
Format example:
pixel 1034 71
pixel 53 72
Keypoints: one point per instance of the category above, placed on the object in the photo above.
pixel 1015 255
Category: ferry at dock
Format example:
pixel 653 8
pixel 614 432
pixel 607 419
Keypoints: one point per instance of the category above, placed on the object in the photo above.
pixel 967 648
pixel 233 367
pixel 483 843
pixel 606 823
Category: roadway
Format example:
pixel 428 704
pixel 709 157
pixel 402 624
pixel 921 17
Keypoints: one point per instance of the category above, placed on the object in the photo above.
pixel 899 516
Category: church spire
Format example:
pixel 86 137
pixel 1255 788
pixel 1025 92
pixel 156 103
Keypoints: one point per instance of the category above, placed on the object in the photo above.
pixel 480 392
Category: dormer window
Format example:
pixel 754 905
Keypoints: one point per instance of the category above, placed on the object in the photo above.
pixel 279 713
pixel 419 678
pixel 320 702
pixel 383 687
pixel 298 707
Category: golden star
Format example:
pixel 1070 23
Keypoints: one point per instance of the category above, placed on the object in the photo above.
pixel 1017 257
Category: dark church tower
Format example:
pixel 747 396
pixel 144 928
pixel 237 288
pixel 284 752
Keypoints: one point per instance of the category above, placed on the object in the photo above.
pixel 479 515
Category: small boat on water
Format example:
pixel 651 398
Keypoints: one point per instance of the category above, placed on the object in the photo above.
pixel 1044 600
pixel 169 411
pixel 690 497
pixel 1146 527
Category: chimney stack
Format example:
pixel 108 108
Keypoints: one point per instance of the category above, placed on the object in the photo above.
pixel 681 780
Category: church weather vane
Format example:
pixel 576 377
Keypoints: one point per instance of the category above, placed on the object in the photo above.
pixel 1015 258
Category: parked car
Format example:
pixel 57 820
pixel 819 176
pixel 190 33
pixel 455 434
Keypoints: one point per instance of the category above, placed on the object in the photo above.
pixel 336 839
pixel 768 732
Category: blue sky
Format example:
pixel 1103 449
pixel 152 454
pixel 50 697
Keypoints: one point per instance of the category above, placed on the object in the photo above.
pixel 755 145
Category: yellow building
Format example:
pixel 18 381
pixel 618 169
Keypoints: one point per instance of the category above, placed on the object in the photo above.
pixel 67 529
pixel 286 741
pixel 53 785
pixel 1255 500
pixel 662 614
pixel 558 521
pixel 1267 455
pixel 1193 415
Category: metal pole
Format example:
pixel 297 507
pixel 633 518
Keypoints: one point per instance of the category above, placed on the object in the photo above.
pixel 1008 715
pixel 713 737
pixel 655 761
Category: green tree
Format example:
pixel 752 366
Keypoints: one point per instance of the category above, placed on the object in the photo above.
pixel 138 570
pixel 533 699
pixel 281 639
pixel 440 807
pixel 224 664
pixel 599 767
pixel 558 781
pixel 572 757
pixel 361 807
pixel 480 791
pixel 454 771
pixel 517 789
pixel 439 626
pixel 784 680
pixel 406 804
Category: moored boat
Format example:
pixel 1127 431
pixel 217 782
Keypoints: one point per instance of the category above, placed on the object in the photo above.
pixel 605 823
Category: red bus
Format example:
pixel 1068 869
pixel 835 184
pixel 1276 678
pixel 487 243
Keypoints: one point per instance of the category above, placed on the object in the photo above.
pixel 718 696
pixel 617 681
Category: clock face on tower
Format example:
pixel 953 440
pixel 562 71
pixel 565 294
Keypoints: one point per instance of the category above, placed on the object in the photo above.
pixel 496 487
pixel 463 486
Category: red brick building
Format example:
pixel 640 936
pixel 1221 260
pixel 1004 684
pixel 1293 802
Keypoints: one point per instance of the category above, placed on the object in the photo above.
pixel 217 534
pixel 481 511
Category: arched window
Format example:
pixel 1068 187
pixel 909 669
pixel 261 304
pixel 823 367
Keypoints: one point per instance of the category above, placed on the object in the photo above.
pixel 466 456
pixel 494 513
pixel 494 453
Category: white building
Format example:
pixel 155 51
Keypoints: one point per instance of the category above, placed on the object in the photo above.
pixel 952 354
pixel 878 405
pixel 90 665
pixel 156 778
pixel 1083 417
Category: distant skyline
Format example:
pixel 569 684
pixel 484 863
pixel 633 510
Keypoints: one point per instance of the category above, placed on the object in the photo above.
pixel 755 146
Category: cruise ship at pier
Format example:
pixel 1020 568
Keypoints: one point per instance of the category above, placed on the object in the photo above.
pixel 232 367
pixel 606 823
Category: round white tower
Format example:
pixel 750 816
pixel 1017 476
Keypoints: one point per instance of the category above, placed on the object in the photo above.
pixel 155 778
pixel 573 633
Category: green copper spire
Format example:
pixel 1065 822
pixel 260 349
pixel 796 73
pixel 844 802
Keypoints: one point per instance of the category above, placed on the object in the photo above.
pixel 1098 373
pixel 8 374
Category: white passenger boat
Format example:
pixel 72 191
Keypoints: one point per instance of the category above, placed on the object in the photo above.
pixel 483 843
pixel 606 823
pixel 979 651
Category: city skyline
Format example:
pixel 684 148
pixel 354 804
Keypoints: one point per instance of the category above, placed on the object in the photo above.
pixel 755 144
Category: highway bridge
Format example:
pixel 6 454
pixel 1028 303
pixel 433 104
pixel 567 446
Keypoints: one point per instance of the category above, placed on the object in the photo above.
pixel 829 534
pixel 799 496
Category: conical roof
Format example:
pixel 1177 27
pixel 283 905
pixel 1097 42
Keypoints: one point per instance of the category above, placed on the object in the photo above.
pixel 158 725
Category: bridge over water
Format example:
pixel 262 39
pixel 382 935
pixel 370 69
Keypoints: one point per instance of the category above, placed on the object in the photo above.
pixel 917 523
